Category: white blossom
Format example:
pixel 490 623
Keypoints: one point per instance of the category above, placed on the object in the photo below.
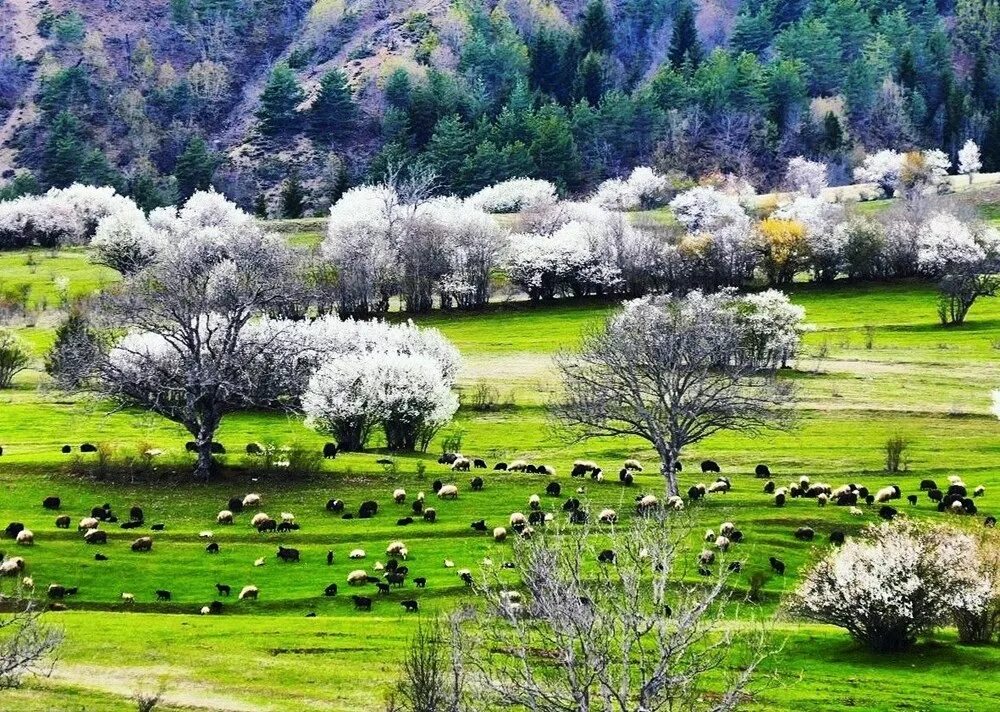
pixel 805 176
pixel 704 209
pixel 883 168
pixel 944 241
pixel 643 189
pixel 514 195
pixel 969 159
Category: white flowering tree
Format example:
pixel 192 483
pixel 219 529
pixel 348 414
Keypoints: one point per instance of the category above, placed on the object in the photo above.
pixel 773 326
pixel 964 258
pixel 805 176
pixel 62 216
pixel 826 244
pixel 970 161
pixel 643 189
pixel 514 195
pixel 883 167
pixel 672 371
pixel 705 209
pixel 896 582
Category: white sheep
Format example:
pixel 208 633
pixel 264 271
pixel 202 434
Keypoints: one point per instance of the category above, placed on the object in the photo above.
pixel 250 591
pixel 517 466
pixel 580 490
pixel 396 549
pixel 449 564
pixel 510 596
pixel 648 501
pixel 356 554
pixel 448 492
pixel 88 523
pixel 607 516
pixel 706 557
pixel 499 535
pixel 399 495
pixel 957 508
pixel 128 598
pixel 420 496
pixel 252 500
pixel 260 562
pixel 855 512
pixel 534 501
pixel 718 486
pixel 632 464
pixel 722 542
pixel 205 610
pixel 885 494
pixel 378 566
pixel 357 577
pixel 28 582
pixel 727 528
pixel 25 537
pixel 676 503
pixel 461 464
pixel 258 519
pixel 224 517
pixel 709 536
pixel 549 517
pixel 955 480
pixel 206 534
pixel 288 517
pixel 518 519
pixel 821 499
pixel 11 566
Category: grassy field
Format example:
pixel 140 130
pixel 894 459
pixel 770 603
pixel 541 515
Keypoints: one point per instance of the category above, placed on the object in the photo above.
pixel 875 364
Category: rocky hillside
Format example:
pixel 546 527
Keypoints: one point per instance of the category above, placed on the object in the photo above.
pixel 282 103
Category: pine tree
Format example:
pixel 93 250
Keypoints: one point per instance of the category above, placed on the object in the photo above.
pixel 75 345
pixel 397 89
pixel 545 69
pixel 194 169
pixel 595 30
pixel 590 79
pixel 907 73
pixel 260 206
pixel 292 198
pixel 833 134
pixel 685 47
pixel 446 152
pixel 554 150
pixel 63 155
pixel 281 95
pixel 333 113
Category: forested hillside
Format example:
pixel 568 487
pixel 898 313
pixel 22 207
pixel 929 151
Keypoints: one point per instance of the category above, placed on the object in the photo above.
pixel 281 104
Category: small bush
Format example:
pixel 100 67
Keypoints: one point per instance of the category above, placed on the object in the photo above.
pixel 895 447
pixel 14 358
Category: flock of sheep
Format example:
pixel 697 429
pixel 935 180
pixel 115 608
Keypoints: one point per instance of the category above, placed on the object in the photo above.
pixel 394 573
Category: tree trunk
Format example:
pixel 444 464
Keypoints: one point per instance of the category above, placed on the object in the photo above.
pixel 204 439
pixel 668 468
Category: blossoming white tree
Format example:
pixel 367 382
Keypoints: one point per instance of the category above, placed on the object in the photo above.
pixel 514 195
pixel 62 216
pixel 704 209
pixel 643 189
pixel 893 584
pixel 883 167
pixel 805 176
pixel 969 160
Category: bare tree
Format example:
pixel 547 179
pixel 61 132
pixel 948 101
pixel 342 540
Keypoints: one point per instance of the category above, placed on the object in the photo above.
pixel 672 371
pixel 625 635
pixel 194 350
pixel 27 646
pixel 432 671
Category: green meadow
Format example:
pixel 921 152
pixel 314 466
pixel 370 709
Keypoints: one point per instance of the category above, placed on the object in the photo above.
pixel 875 364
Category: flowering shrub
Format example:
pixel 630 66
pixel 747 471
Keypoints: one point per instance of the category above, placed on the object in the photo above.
pixel 945 242
pixel 883 168
pixel 513 196
pixel 969 159
pixel 66 216
pixel 704 209
pixel 892 584
pixel 774 326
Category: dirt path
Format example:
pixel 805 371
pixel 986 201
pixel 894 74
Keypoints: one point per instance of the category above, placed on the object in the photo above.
pixel 179 690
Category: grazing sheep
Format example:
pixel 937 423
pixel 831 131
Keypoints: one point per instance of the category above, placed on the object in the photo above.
pixel 100 557
pixel 696 492
pixel 136 514
pixel 500 466
pixel 287 555
pixel 927 485
pixel 224 517
pixel 632 464
pixel 935 495
pixel 396 549
pixel 252 500
pixel 479 525
pixel 718 486
pixel 88 447
pixel 143 543
pixel 805 534
pixel 260 562
pixel 288 517
pixel 736 537
pixel 66 449
pixel 379 566
pixel 430 515
pixel 912 499
pixel 249 592
pixel 95 536
pixel 128 598
pixel 821 499
pixel 957 507
pixel 479 463
pixel 420 582
pixel 553 489
pixel 330 590
pixel 887 493
pixel 709 536
pixel 268 525
pixel 62 522
pixel 762 471
pixel 259 519
pixel 410 605
pixel 235 505
pixel 726 528
pixel 13 529
pixel 55 590
pixel 777 565
pixel 722 543
pixel 51 503
pixel 476 484
pixel 335 505
pixel 449 564
pixel 383 588
pixel 466 576
pixel 606 557
pixel 779 499
pixel 534 502
pixel 607 516
pixel 448 492
pixel 11 566
pixel 536 517
pixel 979 491
pixel 254 449
pixel 706 557
pixel 888 513
pixel 990 522
pixel 837 537
pixel 223 589
pixel 404 521
pixel 362 603
pixel 417 506
pixel 546 470
pixel 518 520
pixel 330 451
pixel 461 464
pixel 499 535
pixel 163 595
pixel 769 487
pixel 356 554
pixel 448 458
pixel 131 525
pixel 647 503
pixel 25 537
pixel 855 512
pixel 205 610
pixel 518 466
pixel 710 466
pixel 357 577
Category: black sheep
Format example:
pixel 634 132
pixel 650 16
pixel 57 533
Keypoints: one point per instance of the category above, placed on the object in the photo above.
pixel 215 608
pixel 694 493
pixel 912 499
pixel 959 490
pixel 96 536
pixel 887 513
pixel 409 605
pixel 330 590
pixel 254 449
pixel 217 448
pixel 467 578
pixel 100 557
pixel 285 527
pixel 383 588
pixel 837 537
pixel 804 534
pixel 404 521
pixel 571 505
pixel 88 447
pixel 335 505
pixel 131 525
pixel 368 509
pixel 330 451
pixel 66 449
pixel 928 485
pixel 500 466
pixel 191 446
pixel 847 499
pixel 779 499
pixel 606 557
pixel 235 505
pixel 13 529
pixel 479 464
pixel 158 527
pixel 448 458
pixel 777 565
pixel 476 484
pixel 578 516
pixel 430 515
pixel 478 525
pixel 162 595
pixel 212 548
pixel 223 589
pixel 417 506
pixel 990 522
pixel 735 567
pixel 51 503
pixel 329 557
pixel 553 489
pixel 769 487
pixel 736 536
pixel 935 495
pixel 135 514
pixel 870 499
pixel 268 525
pixel 63 522
pixel 628 479
pixel 362 603
pixel 622 473
pixel 436 485
pixel 287 554
pixel 579 470
pixel 536 518
pixel 420 581
pixel 762 471
pixel 710 466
